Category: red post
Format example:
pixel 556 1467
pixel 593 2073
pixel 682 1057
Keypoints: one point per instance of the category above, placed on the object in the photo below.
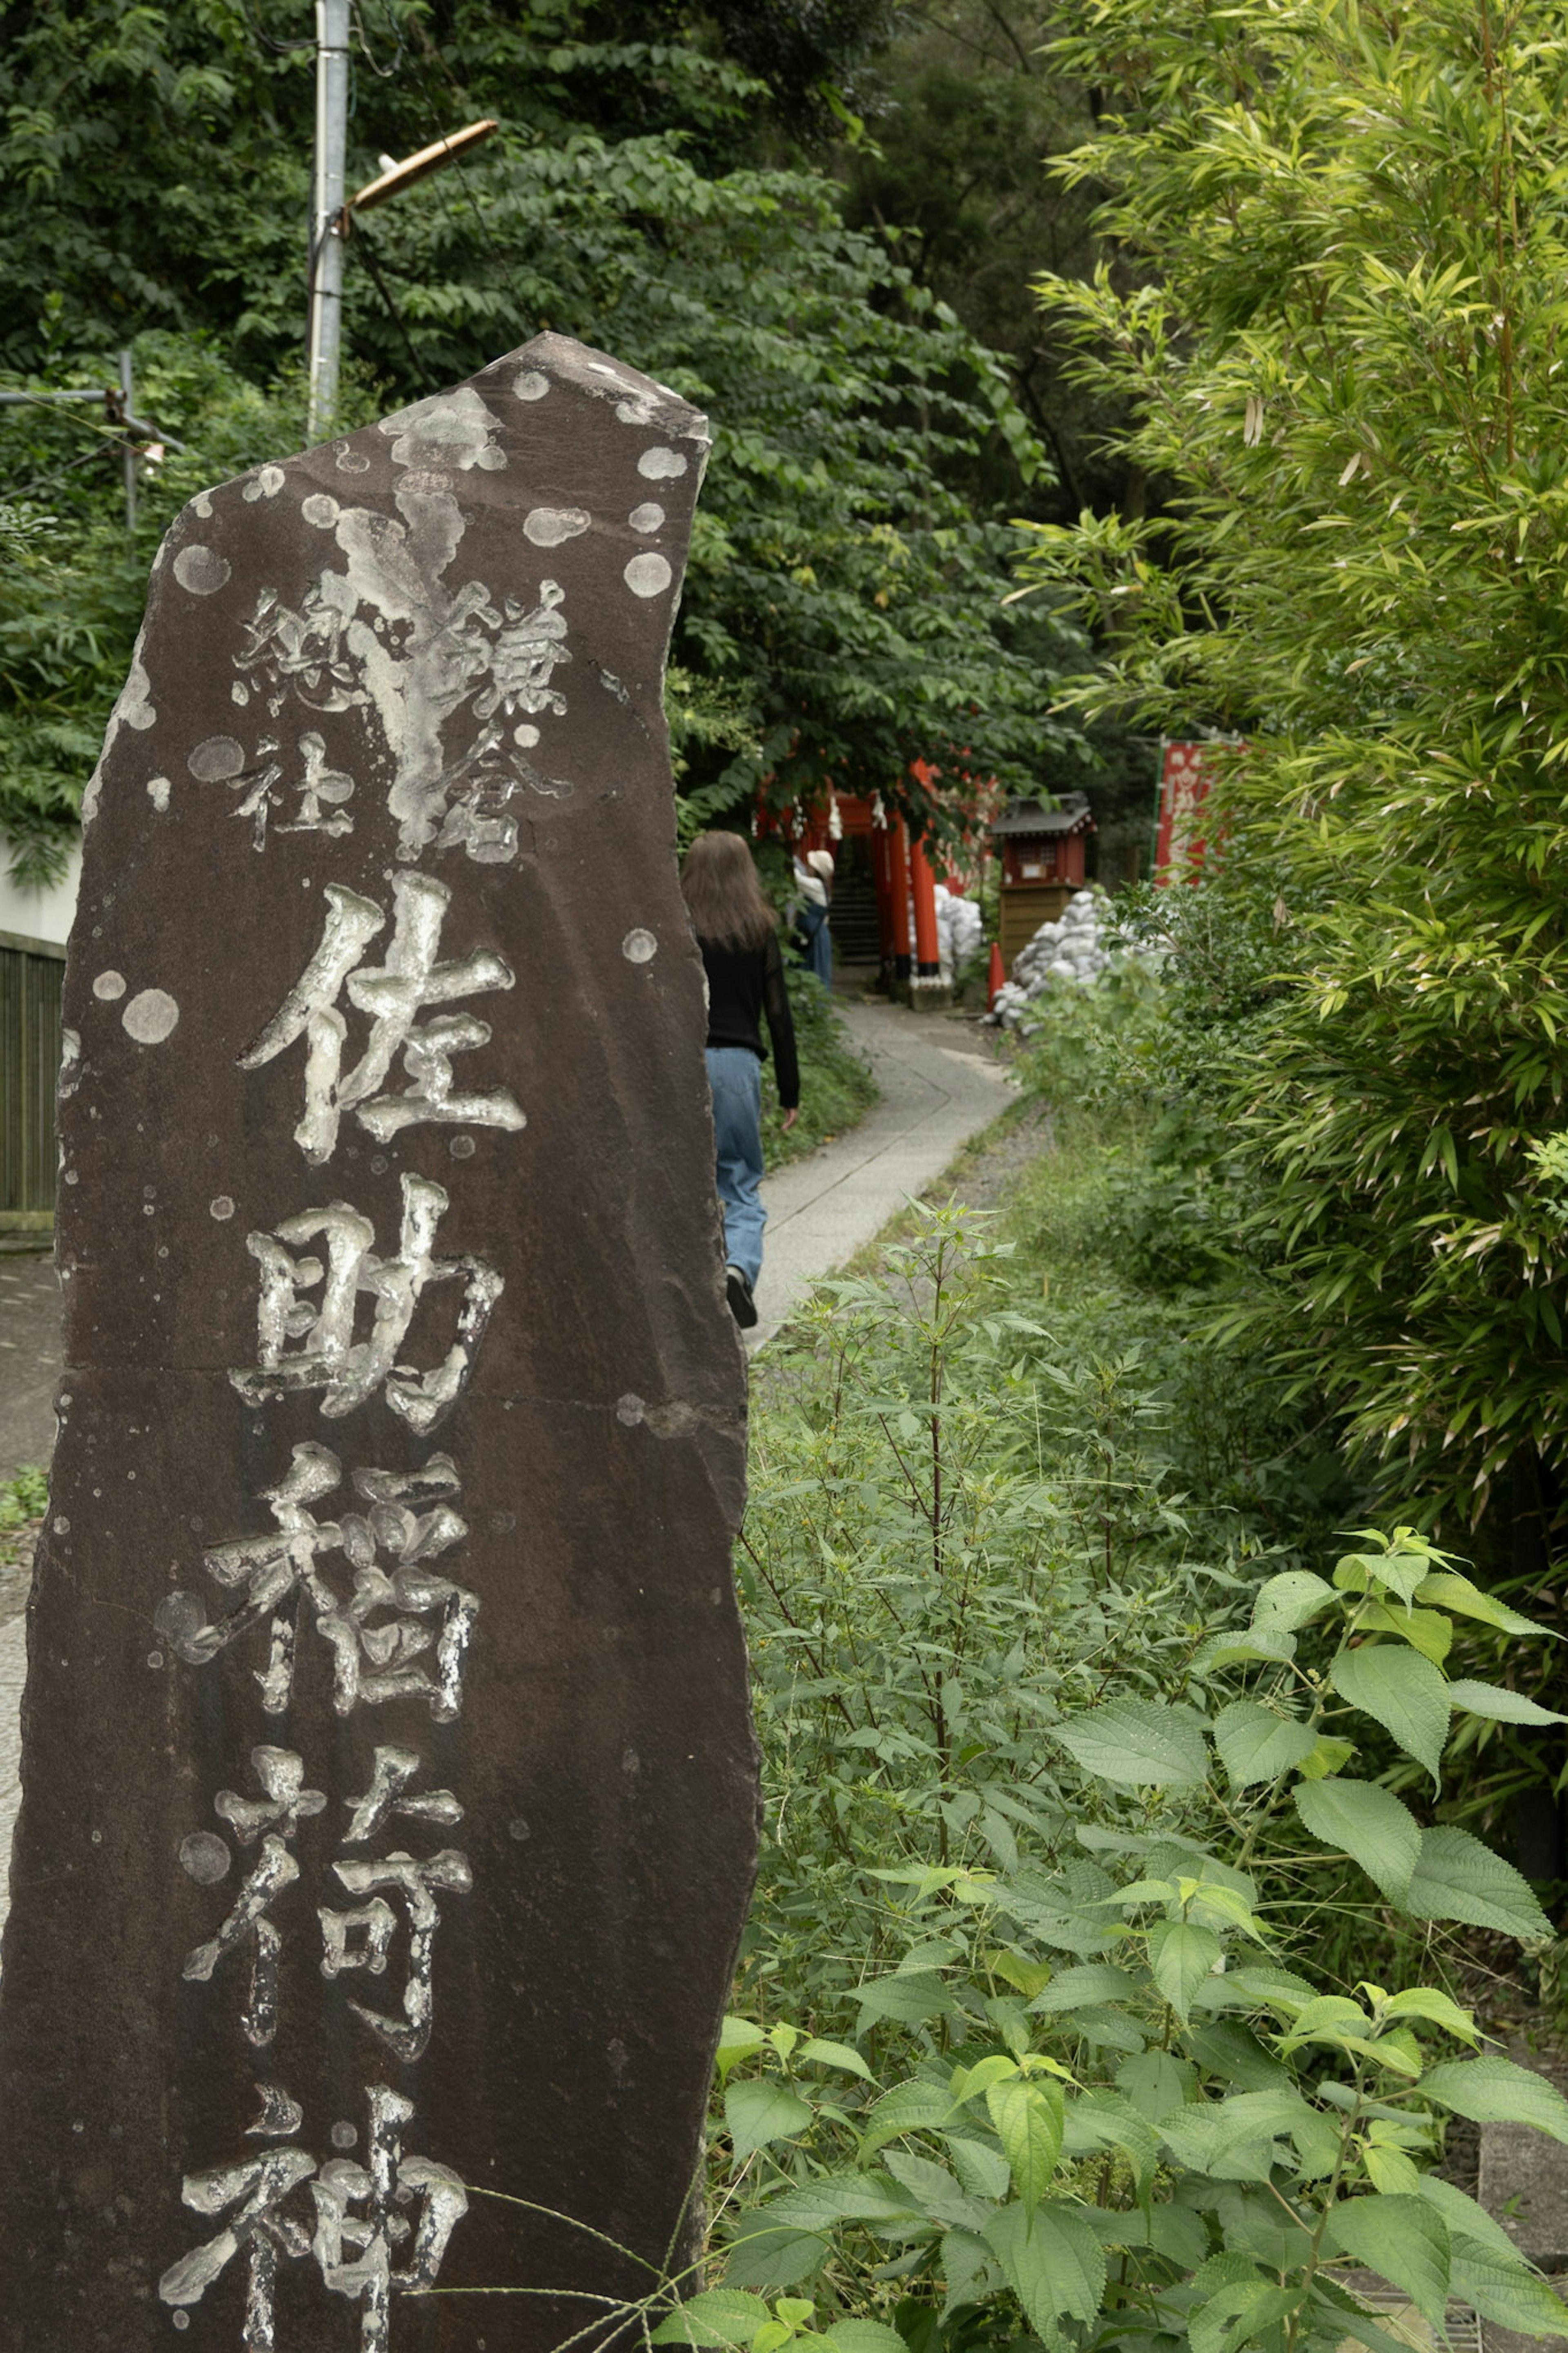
pixel 996 977
pixel 923 882
pixel 899 896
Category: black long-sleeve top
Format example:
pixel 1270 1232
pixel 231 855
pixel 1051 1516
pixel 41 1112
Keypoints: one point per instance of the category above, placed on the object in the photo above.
pixel 743 984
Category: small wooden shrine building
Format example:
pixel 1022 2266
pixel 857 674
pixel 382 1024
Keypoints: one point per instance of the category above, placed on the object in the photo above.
pixel 1042 852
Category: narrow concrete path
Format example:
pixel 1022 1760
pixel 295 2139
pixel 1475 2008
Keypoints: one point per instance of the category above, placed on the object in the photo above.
pixel 939 1087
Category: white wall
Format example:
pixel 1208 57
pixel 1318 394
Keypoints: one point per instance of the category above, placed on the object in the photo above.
pixel 40 915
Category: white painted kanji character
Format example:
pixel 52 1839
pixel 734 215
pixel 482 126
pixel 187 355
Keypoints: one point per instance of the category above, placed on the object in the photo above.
pixel 270 1569
pixel 377 1657
pixel 394 995
pixel 416 1883
pixel 391 1771
pixel 255 2190
pixel 283 1775
pixel 248 1924
pixel 322 792
pixel 354 2250
pixel 348 1371
pixel 376 1653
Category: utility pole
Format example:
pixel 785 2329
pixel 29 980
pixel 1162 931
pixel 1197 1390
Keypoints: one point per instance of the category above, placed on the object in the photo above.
pixel 327 212
pixel 128 409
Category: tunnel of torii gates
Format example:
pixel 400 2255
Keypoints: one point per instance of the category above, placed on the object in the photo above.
pixel 901 873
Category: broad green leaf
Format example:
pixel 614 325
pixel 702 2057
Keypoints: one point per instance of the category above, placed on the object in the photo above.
pixel 908 2107
pixel 1389 2169
pixel 1156 2082
pixel 1329 2014
pixel 1054 2262
pixel 757 2114
pixel 1234 2139
pixel 908 1997
pixel 1505 2293
pixel 1427 1631
pixel 1402 2238
pixel 1285 1602
pixel 1396 1571
pixel 738 2038
pixel 1238 2313
pixel 1028 2122
pixel 1092 1982
pixel 1403 1692
pixel 1256 1745
pixel 834 2054
pixel 1107 2029
pixel 1501 1706
pixel 1138 1743
pixel 1180 1957
pixel 1457 1878
pixel 760 2256
pixel 1102 2119
pixel 1367 1823
pixel 1496 2092
pixel 719 2315
pixel 1447 1590
pixel 1329 1756
pixel 981 2170
pixel 1234 1649
pixel 934 2190
pixel 969 2268
pixel 1465 2220
pixel 1233 2051
pixel 864 2336
pixel 1428 2003
pixel 1178 2233
pixel 837 2198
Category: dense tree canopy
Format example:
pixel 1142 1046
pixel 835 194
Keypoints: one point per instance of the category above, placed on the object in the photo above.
pixel 843 614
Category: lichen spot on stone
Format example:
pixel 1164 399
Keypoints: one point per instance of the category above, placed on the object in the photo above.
pixel 662 465
pixel 109 986
pixel 320 510
pixel 548 526
pixel 647 518
pixel 150 1017
pixel 205 1857
pixel 529 385
pixel 220 1207
pixel 639 947
pixel 216 759
pixel 648 576
pixel 202 570
pixel 158 792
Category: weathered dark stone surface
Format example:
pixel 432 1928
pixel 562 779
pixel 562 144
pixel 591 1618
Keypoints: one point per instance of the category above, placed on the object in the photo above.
pixel 354 672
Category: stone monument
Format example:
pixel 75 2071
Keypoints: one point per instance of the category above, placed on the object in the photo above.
pixel 389 1794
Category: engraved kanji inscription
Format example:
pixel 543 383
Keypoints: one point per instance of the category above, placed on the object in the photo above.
pixel 402 1630
pixel 393 996
pixel 348 1371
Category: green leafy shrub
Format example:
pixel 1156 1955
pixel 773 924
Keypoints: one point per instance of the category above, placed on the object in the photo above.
pixel 1127 2112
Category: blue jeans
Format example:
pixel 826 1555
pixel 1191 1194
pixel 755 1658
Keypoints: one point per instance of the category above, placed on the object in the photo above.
pixel 735 1076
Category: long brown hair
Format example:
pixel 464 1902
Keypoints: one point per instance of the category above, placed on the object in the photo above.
pixel 724 897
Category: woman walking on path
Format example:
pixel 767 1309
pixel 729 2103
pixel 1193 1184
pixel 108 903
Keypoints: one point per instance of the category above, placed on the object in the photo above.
pixel 738 940
pixel 813 881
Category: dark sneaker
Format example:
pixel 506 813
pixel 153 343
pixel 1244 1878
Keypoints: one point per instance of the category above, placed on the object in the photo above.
pixel 738 1290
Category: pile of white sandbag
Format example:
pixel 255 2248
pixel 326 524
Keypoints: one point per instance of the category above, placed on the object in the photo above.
pixel 1063 953
pixel 958 929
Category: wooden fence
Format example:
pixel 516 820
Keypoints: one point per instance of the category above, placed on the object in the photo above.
pixel 31 972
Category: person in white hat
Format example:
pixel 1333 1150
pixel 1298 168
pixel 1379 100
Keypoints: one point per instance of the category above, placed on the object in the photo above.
pixel 813 881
